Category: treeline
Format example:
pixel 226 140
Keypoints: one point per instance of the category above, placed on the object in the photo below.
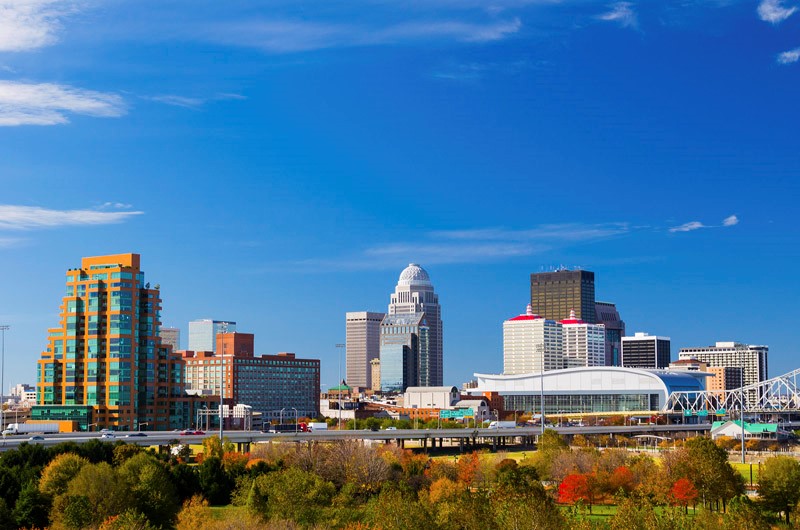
pixel 347 485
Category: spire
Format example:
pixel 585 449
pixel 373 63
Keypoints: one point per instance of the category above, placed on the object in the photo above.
pixel 572 315
pixel 529 310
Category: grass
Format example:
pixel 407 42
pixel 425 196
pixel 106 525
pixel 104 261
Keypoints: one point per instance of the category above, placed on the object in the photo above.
pixel 744 471
pixel 223 513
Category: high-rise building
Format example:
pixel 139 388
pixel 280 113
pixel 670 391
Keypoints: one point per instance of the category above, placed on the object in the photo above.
pixel 363 344
pixel 724 378
pixel 531 343
pixel 645 351
pixel 414 294
pixel 105 364
pixel 375 370
pixel 405 345
pixel 607 314
pixel 203 333
pixel 554 294
pixel 267 383
pixel 584 344
pixel 171 336
pixel 750 360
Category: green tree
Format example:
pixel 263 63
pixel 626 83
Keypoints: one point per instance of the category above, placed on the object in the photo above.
pixel 395 510
pixel 59 472
pixel 706 464
pixel 75 512
pixel 779 484
pixel 291 494
pixel 31 508
pixel 123 452
pixel 150 489
pixel 6 517
pixel 129 520
pixel 215 484
pixel 102 486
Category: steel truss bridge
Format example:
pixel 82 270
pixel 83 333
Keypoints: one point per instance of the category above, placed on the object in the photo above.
pixel 779 395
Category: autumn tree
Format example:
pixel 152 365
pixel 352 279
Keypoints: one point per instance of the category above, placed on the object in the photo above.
pixel 574 488
pixel 779 484
pixel 56 476
pixel 683 493
pixel 195 515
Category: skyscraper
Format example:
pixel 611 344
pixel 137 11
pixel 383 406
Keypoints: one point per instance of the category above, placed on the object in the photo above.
pixel 171 336
pixel 750 360
pixel 608 315
pixel 414 294
pixel 531 343
pixel 645 351
pixel 405 346
pixel 584 343
pixel 363 344
pixel 203 333
pixel 105 364
pixel 554 294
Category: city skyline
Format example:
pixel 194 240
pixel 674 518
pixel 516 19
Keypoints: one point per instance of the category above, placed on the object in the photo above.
pixel 279 166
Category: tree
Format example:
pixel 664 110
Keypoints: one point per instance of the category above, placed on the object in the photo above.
pixel 291 494
pixel 215 484
pixel 707 465
pixel 151 492
pixel 195 515
pixel 31 508
pixel 683 493
pixel 621 479
pixel 129 520
pixel 574 488
pixel 59 472
pixel 779 484
pixel 101 486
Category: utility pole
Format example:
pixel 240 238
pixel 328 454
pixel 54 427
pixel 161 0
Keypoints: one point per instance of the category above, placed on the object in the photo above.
pixel 3 329
pixel 339 383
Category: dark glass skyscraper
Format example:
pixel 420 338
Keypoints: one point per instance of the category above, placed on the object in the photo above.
pixel 554 294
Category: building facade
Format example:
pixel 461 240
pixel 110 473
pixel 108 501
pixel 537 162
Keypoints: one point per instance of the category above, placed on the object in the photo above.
pixel 584 344
pixel 414 294
pixel 171 337
pixel 645 351
pixel 750 360
pixel 405 346
pixel 105 364
pixel 362 346
pixel 607 314
pixel 588 390
pixel 531 344
pixel 375 371
pixel 554 294
pixel 203 333
pixel 267 383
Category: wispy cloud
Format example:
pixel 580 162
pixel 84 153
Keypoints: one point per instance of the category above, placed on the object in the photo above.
pixel 789 57
pixel 469 246
pixel 31 24
pixel 731 220
pixel 192 102
pixel 177 101
pixel 13 217
pixel 287 36
pixel 772 11
pixel 115 206
pixel 49 104
pixel 8 242
pixel 691 226
pixel 621 13
pixel 688 227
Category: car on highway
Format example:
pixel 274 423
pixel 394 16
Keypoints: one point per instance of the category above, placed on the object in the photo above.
pixel 107 436
pixel 136 435
pixel 191 432
pixel 391 428
pixel 36 439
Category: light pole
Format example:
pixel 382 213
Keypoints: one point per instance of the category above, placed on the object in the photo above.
pixel 339 384
pixel 281 420
pixel 541 391
pixel 3 329
pixel 222 382
pixel 143 423
pixel 295 419
pixel 741 407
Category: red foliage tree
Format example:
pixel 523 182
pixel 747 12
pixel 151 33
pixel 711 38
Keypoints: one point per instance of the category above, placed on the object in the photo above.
pixel 574 488
pixel 622 479
pixel 683 493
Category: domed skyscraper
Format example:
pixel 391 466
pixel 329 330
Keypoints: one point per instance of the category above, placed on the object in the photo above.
pixel 414 296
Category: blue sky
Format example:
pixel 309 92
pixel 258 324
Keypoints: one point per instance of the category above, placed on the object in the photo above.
pixel 280 165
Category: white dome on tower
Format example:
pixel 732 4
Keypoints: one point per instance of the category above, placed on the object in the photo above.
pixel 414 275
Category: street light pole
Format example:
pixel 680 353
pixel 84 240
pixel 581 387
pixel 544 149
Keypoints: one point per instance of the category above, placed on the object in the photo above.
pixel 339 383
pixel 3 329
pixel 295 419
pixel 741 407
pixel 222 382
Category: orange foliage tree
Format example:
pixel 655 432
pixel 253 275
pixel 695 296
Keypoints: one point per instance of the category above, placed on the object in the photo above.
pixel 683 493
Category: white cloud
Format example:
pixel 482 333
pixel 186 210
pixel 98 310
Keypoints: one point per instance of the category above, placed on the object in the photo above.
pixel 622 13
pixel 688 227
pixel 29 217
pixel 287 36
pixel 789 57
pixel 48 104
pixel 772 11
pixel 116 206
pixel 177 101
pixel 566 231
pixel 31 24
pixel 731 220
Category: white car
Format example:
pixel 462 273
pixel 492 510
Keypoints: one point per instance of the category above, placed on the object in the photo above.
pixel 107 436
